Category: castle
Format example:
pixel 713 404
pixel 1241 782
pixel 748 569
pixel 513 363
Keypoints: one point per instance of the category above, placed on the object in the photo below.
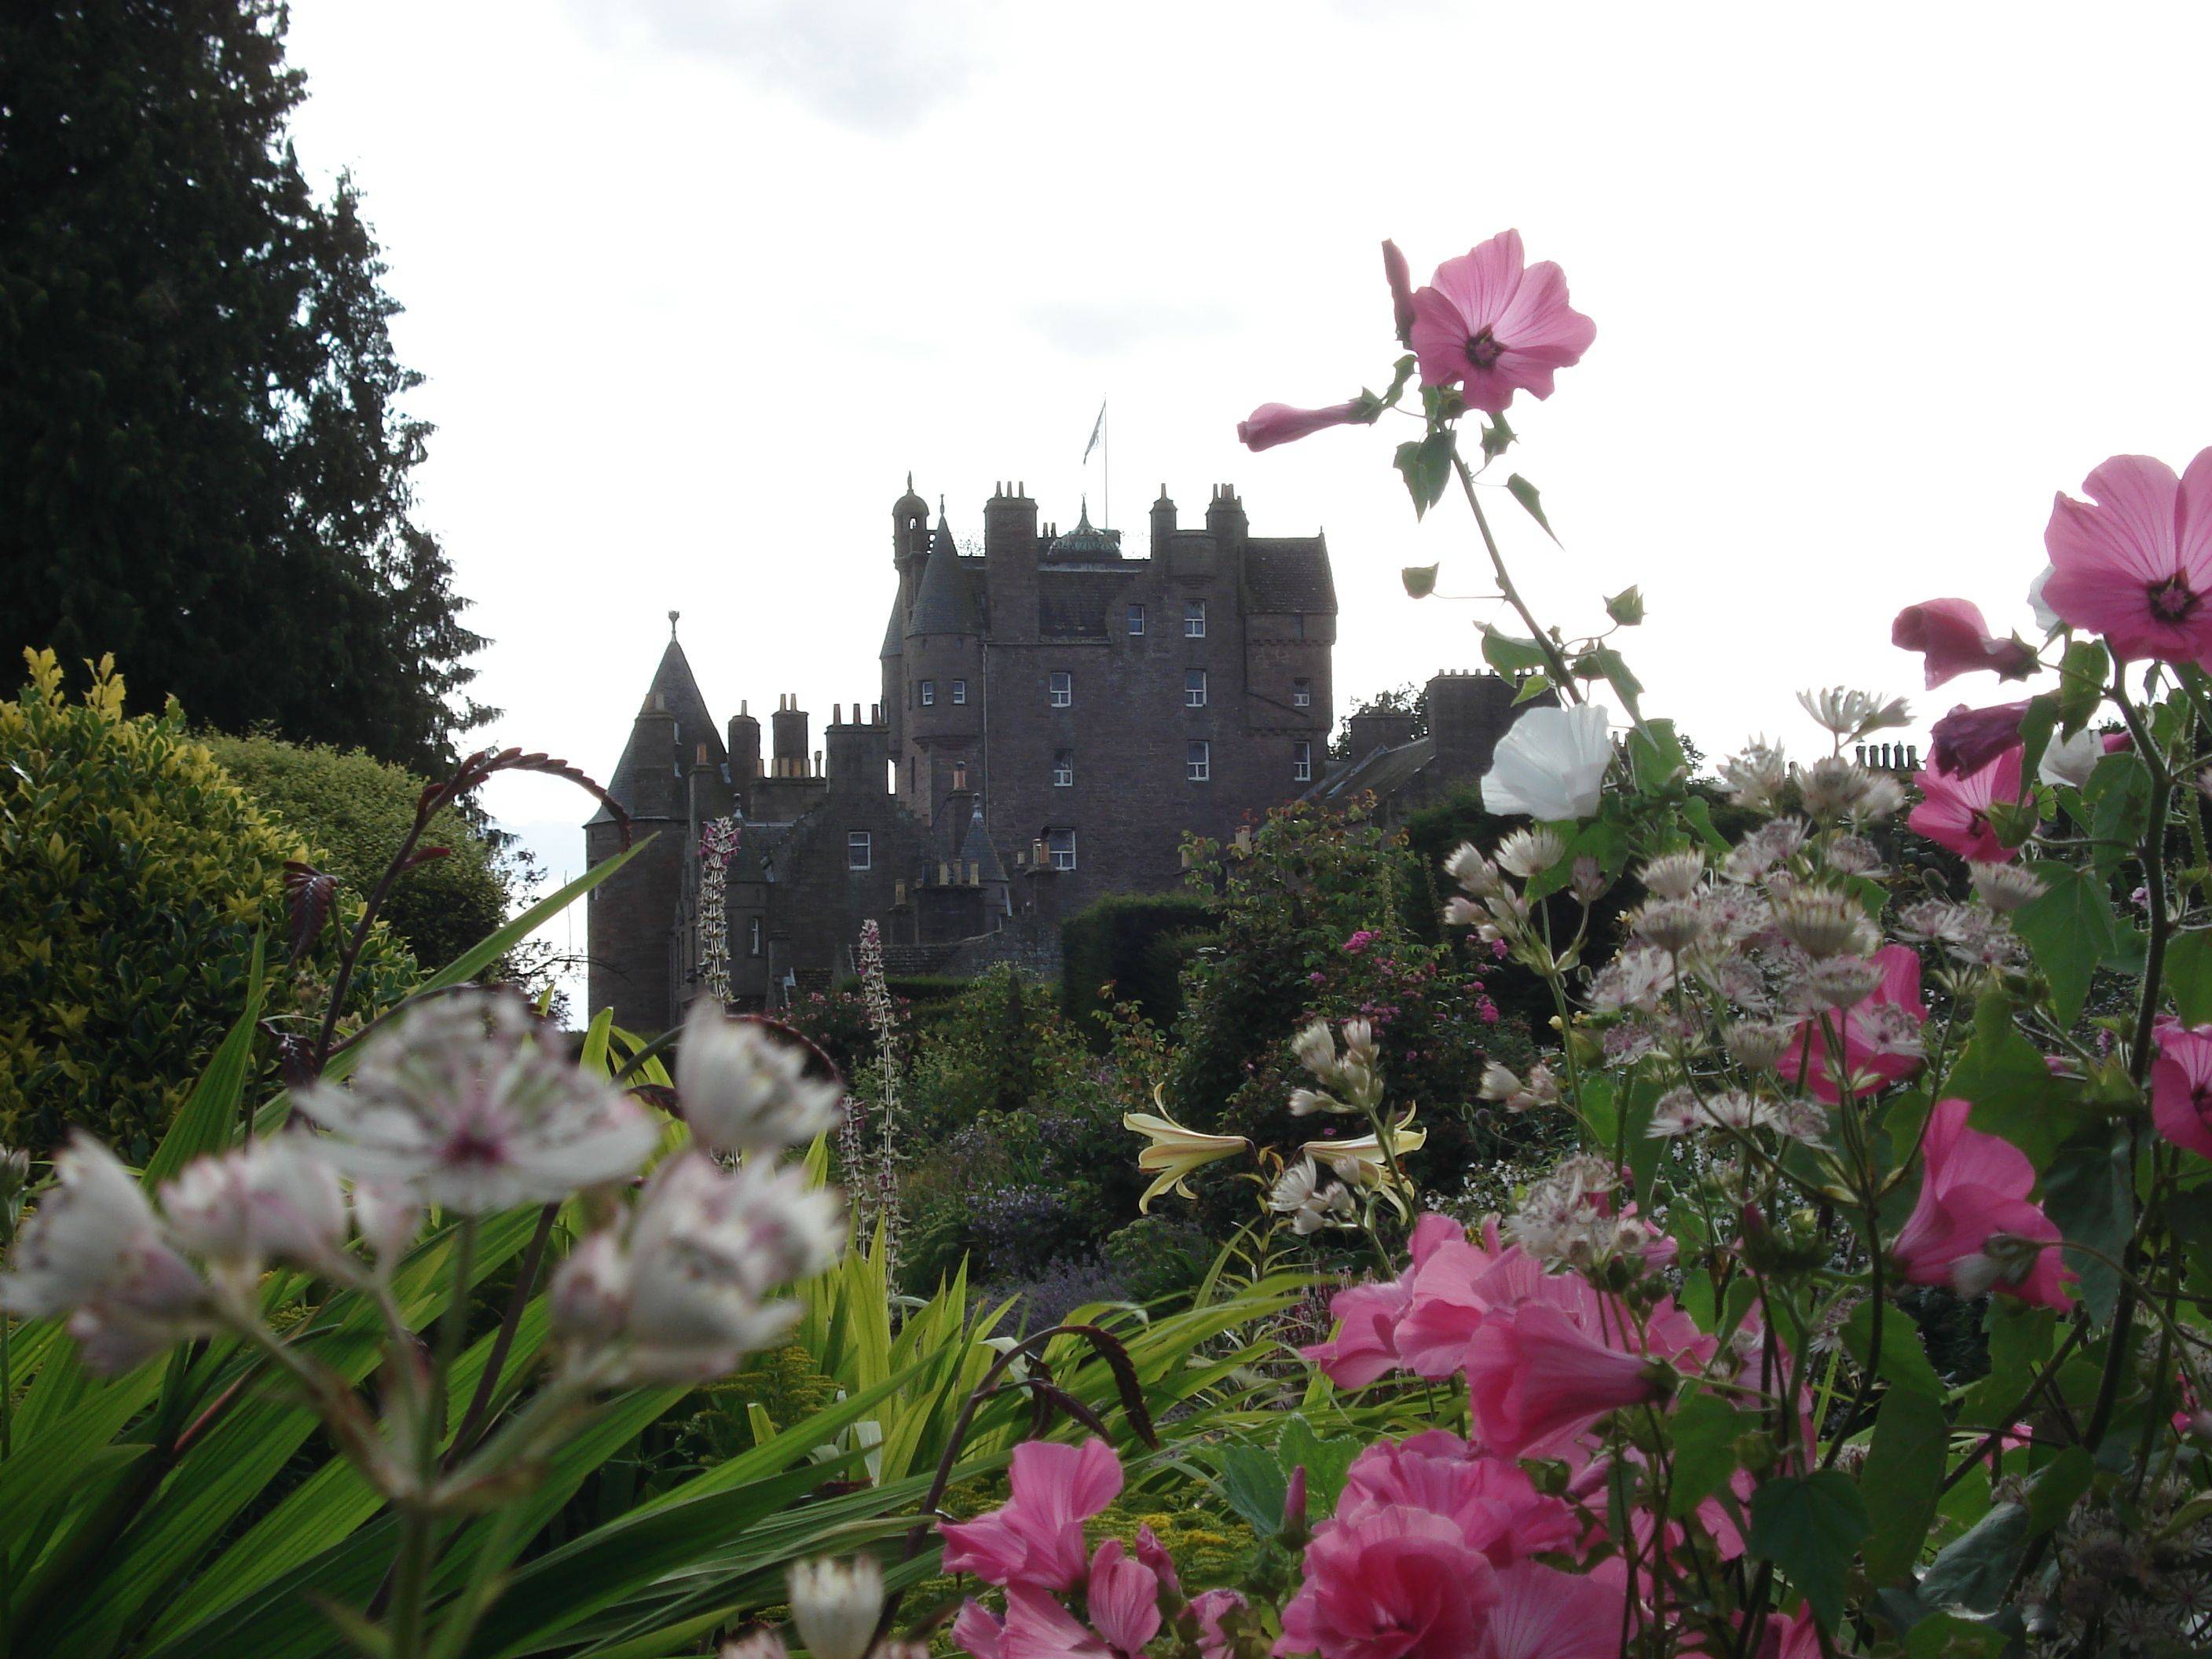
pixel 1053 717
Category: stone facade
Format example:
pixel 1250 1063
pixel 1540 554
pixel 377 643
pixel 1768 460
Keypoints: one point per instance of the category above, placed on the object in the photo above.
pixel 1055 716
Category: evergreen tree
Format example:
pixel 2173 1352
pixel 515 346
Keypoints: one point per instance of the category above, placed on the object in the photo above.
pixel 203 463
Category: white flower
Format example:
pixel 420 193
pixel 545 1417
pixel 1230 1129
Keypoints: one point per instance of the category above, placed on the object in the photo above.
pixel 589 1300
pixel 1297 1193
pixel 1527 853
pixel 2071 760
pixel 93 1249
pixel 1850 713
pixel 1173 1153
pixel 1756 778
pixel 274 1200
pixel 835 1605
pixel 1550 765
pixel 474 1119
pixel 2046 618
pixel 386 1219
pixel 1315 1048
pixel 1362 1162
pixel 2005 887
pixel 1675 875
pixel 743 1090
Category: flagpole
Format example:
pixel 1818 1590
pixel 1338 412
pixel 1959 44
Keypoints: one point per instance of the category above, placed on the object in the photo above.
pixel 1106 466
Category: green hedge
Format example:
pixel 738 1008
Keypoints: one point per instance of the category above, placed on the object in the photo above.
pixel 1137 943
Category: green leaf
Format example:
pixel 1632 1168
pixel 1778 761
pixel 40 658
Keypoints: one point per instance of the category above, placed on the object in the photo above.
pixel 1427 465
pixel 1508 655
pixel 2021 1338
pixel 1953 1636
pixel 1497 437
pixel 1606 664
pixel 207 1121
pixel 2118 795
pixel 2189 975
pixel 1972 1571
pixel 2057 1487
pixel 1810 1526
pixel 1531 502
pixel 1704 1429
pixel 1531 686
pixel 1903 1360
pixel 2070 930
pixel 2013 1092
pixel 1254 1484
pixel 1421 579
pixel 1656 759
pixel 1626 607
pixel 2082 672
pixel 1900 1481
pixel 2088 1194
pixel 2036 722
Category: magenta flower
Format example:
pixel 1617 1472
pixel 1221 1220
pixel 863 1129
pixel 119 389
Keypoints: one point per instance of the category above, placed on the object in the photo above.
pixel 979 1631
pixel 1400 278
pixel 1038 1627
pixel 1492 327
pixel 1953 812
pixel 1538 1378
pixel 2135 562
pixel 1545 1613
pixel 1124 1598
pixel 1208 1607
pixel 1365 1346
pixel 1279 423
pixel 1955 641
pixel 1974 1227
pixel 1494 1503
pixel 1967 739
pixel 1036 1536
pixel 1396 1583
pixel 1880 1034
pixel 2181 1086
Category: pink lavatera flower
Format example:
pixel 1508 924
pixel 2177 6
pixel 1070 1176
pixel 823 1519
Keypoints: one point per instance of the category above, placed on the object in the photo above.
pixel 1124 1598
pixel 979 1631
pixel 1038 1627
pixel 1537 1378
pixel 1036 1536
pixel 1494 1503
pixel 1974 1227
pixel 1280 423
pixel 1492 326
pixel 1209 1607
pixel 2133 562
pixel 2181 1086
pixel 1396 1583
pixel 1955 811
pixel 1367 1316
pixel 1400 277
pixel 1544 1613
pixel 1967 739
pixel 1879 1034
pixel 1954 639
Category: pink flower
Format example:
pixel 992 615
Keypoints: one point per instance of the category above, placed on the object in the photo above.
pixel 1493 1503
pixel 1953 812
pixel 1967 739
pixel 1208 1607
pixel 1036 1537
pixel 979 1631
pixel 1545 1613
pixel 1038 1627
pixel 1493 328
pixel 1537 1378
pixel 2181 1086
pixel 1397 1584
pixel 1365 1344
pixel 1881 1033
pixel 1124 1598
pixel 1400 278
pixel 1279 423
pixel 1973 1227
pixel 2136 565
pixel 1955 641
pixel 1459 1285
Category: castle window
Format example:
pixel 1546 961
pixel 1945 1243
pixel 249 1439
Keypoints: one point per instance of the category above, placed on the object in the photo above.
pixel 1194 620
pixel 1301 694
pixel 858 849
pixel 1060 847
pixel 1062 684
pixel 959 691
pixel 1194 688
pixel 1063 768
pixel 1136 620
pixel 929 693
pixel 753 937
pixel 1302 761
pixel 1297 624
pixel 1198 764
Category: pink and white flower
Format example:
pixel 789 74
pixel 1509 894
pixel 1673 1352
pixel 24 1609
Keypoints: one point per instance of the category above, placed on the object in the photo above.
pixel 275 1199
pixel 1974 1227
pixel 1880 1035
pixel 1955 811
pixel 745 1090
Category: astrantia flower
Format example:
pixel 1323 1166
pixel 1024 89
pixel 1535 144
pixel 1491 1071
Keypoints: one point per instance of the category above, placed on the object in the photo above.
pixel 1880 1035
pixel 1280 423
pixel 1527 853
pixel 1550 765
pixel 1973 1227
pixel 1173 1153
pixel 2134 563
pixel 1297 1193
pixel 1492 326
pixel 1955 641
pixel 1953 811
pixel 94 1250
pixel 1675 875
pixel 1755 777
pixel 835 1605
pixel 275 1199
pixel 1852 715
pixel 462 1104
pixel 745 1090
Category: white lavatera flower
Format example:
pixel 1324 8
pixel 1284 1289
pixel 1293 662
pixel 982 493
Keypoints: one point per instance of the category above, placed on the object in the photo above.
pixel 2046 618
pixel 1550 765
pixel 463 1104
pixel 276 1200
pixel 746 1090
pixel 2071 760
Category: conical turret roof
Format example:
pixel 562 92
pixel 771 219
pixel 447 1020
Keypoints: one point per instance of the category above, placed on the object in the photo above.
pixel 664 749
pixel 940 601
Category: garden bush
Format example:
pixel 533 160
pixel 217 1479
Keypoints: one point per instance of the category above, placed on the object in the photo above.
pixel 1119 942
pixel 138 877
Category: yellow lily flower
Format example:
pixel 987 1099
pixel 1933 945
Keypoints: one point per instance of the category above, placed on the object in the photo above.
pixel 1360 1163
pixel 1175 1152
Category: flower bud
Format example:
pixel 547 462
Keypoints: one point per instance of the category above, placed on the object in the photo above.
pixel 1675 875
pixel 835 1605
pixel 1294 1502
pixel 2005 887
pixel 590 1298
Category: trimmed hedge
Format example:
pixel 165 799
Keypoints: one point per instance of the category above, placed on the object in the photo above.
pixel 1137 943
pixel 134 878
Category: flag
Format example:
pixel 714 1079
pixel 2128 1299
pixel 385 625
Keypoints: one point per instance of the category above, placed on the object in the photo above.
pixel 1097 431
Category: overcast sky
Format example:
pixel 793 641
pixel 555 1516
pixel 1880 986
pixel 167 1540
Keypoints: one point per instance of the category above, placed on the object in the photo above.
pixel 695 282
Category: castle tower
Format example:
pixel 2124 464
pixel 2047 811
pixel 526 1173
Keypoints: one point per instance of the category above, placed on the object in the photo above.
pixel 627 917
pixel 942 657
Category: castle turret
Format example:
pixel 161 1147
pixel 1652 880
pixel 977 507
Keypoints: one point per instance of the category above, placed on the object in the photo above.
pixel 860 752
pixel 1163 524
pixel 745 747
pixel 1010 556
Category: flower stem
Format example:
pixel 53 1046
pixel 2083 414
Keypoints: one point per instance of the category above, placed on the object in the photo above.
pixel 1561 678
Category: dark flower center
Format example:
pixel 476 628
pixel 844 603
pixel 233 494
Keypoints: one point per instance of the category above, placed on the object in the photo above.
pixel 469 1149
pixel 2172 600
pixel 1484 349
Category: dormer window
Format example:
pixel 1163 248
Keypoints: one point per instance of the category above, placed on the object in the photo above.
pixel 1194 620
pixel 1194 688
pixel 1301 694
pixel 1061 687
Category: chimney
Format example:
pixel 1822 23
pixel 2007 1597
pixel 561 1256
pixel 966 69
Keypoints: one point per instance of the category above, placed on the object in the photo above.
pixel 789 731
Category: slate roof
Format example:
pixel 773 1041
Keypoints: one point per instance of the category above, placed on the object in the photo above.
pixel 1383 771
pixel 1284 574
pixel 679 694
pixel 944 602
pixel 978 850
pixel 1085 543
